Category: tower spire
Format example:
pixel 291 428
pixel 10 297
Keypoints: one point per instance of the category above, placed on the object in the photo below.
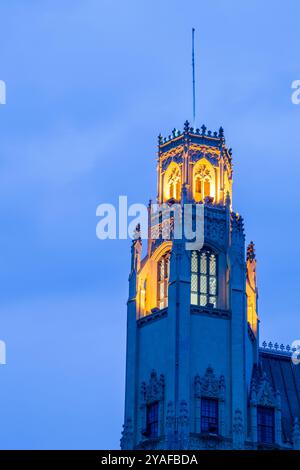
pixel 193 74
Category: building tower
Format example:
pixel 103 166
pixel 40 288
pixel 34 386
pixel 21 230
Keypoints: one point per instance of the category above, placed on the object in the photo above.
pixel 193 375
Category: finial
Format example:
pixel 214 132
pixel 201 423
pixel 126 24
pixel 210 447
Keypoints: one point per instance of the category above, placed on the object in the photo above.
pixel 160 139
pixel 221 133
pixel 251 255
pixel 174 132
pixel 186 126
pixel 203 129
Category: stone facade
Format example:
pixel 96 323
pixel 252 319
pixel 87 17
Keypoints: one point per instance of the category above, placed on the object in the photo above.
pixel 181 353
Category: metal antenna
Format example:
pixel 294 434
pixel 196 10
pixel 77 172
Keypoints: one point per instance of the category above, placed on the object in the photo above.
pixel 194 86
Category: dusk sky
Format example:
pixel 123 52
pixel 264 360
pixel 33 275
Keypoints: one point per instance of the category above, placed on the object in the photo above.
pixel 90 85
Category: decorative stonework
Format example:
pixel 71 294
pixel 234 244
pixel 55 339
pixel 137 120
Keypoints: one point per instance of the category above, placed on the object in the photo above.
pixel 183 425
pixel 238 430
pixel 237 225
pixel 209 385
pixel 198 153
pixel 203 172
pixel 263 394
pixel 170 419
pixel 275 348
pixel 154 390
pixel 151 392
pixel 174 176
pixel 215 230
pixel 127 435
pixel 175 155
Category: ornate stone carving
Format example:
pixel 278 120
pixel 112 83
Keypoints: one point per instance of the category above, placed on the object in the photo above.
pixel 154 390
pixel 197 152
pixel 183 425
pixel 238 430
pixel 170 425
pixel 203 172
pixel 215 230
pixel 174 155
pixel 209 385
pixel 127 435
pixel 170 419
pixel 265 393
pixel 174 176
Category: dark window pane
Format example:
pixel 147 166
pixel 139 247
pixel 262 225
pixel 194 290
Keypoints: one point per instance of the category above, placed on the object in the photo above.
pixel 209 415
pixel 152 420
pixel 265 425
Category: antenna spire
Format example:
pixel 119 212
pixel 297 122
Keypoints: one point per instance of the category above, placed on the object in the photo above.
pixel 193 67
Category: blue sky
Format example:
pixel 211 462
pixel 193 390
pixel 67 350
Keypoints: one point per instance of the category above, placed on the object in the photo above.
pixel 89 87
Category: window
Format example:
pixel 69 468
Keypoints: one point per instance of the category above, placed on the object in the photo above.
pixel 203 278
pixel 172 182
pixel 265 425
pixel 203 181
pixel 163 269
pixel 209 415
pixel 152 420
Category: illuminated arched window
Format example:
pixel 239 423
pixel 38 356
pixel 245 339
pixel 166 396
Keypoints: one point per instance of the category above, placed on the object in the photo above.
pixel 163 271
pixel 203 278
pixel 172 182
pixel 202 182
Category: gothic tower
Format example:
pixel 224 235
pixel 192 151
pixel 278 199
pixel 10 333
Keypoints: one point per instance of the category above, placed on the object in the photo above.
pixel 192 321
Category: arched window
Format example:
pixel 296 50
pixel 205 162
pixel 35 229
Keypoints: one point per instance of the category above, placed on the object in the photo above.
pixel 172 182
pixel 163 270
pixel 203 278
pixel 202 181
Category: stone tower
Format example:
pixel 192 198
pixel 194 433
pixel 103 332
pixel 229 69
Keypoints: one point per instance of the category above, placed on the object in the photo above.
pixel 192 321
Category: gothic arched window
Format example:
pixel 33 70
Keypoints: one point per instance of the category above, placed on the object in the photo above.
pixel 203 278
pixel 163 270
pixel 202 182
pixel 172 182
